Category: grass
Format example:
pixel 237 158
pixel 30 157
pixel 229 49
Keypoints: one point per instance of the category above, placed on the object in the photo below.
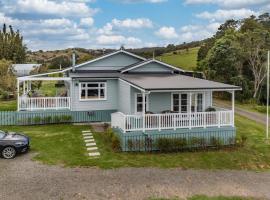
pixel 183 59
pixel 203 197
pixel 63 144
pixel 8 105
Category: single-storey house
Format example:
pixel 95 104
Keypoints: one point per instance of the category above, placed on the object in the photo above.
pixel 144 96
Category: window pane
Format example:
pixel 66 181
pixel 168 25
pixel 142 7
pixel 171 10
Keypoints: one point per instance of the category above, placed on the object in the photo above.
pixel 139 99
pixel 102 84
pixel 92 93
pixel 92 85
pixel 83 85
pixel 176 108
pixel 102 93
pixel 83 94
pixel 184 109
pixel 139 107
pixel 184 96
pixel 199 103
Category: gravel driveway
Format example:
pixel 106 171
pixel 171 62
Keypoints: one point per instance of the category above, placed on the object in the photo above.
pixel 25 179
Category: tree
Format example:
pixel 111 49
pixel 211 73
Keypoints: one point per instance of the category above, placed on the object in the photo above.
pixel 8 79
pixel 255 41
pixel 11 45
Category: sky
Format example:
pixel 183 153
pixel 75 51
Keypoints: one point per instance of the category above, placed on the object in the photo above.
pixel 92 24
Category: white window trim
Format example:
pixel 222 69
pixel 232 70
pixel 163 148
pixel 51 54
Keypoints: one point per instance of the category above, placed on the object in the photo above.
pixel 188 96
pixel 147 103
pixel 97 99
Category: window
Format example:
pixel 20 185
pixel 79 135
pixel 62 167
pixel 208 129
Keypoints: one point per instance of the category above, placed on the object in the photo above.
pixel 197 102
pixel 93 91
pixel 180 102
pixel 139 103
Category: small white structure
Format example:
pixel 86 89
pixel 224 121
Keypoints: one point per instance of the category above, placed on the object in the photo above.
pixel 24 69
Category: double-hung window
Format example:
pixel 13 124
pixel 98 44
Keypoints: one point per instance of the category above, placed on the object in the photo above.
pixel 93 91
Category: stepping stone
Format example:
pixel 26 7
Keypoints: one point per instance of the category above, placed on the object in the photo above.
pixel 91 144
pixel 92 148
pixel 88 137
pixel 86 131
pixel 94 154
pixel 91 140
pixel 87 134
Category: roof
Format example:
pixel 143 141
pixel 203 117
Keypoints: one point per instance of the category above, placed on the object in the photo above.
pixel 25 66
pixel 137 65
pixel 174 82
pixel 161 81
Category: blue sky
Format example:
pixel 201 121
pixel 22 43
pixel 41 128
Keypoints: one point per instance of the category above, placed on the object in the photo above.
pixel 59 24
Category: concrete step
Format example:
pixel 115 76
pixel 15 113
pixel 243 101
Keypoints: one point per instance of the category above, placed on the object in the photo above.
pixel 91 144
pixel 87 134
pixel 88 131
pixel 90 140
pixel 92 148
pixel 94 154
pixel 87 137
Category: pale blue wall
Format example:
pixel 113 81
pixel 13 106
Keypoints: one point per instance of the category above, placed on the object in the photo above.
pixel 110 104
pixel 115 62
pixel 159 102
pixel 152 67
pixel 124 98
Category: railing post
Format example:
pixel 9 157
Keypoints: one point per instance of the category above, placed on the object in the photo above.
pixel 159 122
pixel 204 119
pixel 174 121
pixel 124 124
pixel 219 119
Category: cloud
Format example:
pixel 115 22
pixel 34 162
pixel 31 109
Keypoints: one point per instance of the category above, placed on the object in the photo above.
pixel 62 8
pixel 88 21
pixel 167 33
pixel 142 1
pixel 116 40
pixel 222 15
pixel 230 3
pixel 197 32
pixel 132 23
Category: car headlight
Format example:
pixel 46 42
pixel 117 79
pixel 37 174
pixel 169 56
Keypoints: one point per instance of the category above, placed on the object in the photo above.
pixel 21 143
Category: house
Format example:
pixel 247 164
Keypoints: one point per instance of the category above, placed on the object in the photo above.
pixel 23 69
pixel 144 96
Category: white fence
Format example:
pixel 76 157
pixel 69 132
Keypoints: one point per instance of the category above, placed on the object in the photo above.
pixel 172 120
pixel 44 103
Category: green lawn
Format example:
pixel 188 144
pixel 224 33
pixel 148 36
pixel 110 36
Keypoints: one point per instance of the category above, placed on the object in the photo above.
pixel 184 59
pixel 63 144
pixel 9 105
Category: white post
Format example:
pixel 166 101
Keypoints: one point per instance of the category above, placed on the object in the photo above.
pixel 143 110
pixel 267 98
pixel 190 102
pixel 18 95
pixel 233 108
pixel 23 87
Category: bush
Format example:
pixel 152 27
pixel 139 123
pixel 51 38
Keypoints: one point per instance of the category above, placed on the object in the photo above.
pixel 130 144
pixel 116 146
pixel 67 118
pixel 210 109
pixel 37 120
pixel 4 95
pixel 241 141
pixel 48 119
pixel 215 142
pixel 56 119
pixel 171 144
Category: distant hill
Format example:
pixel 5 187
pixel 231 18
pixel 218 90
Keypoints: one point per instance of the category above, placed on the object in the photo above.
pixel 185 59
pixel 182 55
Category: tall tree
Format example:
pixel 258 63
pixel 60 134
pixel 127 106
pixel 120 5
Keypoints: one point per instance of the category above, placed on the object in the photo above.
pixel 7 78
pixel 11 45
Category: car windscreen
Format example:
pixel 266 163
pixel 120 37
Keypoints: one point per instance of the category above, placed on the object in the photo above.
pixel 2 134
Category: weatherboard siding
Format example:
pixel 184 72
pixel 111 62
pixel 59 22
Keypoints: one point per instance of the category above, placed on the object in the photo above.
pixel 152 67
pixel 111 103
pixel 111 63
pixel 124 97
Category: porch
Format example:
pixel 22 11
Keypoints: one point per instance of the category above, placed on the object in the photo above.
pixel 29 99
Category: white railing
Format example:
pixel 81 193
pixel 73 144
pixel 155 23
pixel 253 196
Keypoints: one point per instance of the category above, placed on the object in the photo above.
pixel 44 103
pixel 172 120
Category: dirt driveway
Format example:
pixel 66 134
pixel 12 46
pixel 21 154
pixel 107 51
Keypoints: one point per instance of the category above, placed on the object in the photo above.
pixel 25 179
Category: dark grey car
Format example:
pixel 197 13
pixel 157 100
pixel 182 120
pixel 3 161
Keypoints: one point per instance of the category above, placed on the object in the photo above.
pixel 12 143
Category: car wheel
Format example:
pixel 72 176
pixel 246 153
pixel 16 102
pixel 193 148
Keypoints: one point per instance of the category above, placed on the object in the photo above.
pixel 9 152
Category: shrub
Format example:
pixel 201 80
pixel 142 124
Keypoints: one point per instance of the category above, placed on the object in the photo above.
pixel 67 118
pixel 37 120
pixel 56 119
pixel 163 144
pixel 130 144
pixel 116 146
pixel 210 109
pixel 48 119
pixel 106 126
pixel 4 95
pixel 215 142
pixel 241 141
